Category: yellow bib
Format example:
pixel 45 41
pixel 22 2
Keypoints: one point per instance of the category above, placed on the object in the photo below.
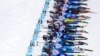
pixel 69 20
pixel 76 55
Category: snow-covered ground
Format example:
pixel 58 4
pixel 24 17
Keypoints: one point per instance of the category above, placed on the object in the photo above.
pixel 18 19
